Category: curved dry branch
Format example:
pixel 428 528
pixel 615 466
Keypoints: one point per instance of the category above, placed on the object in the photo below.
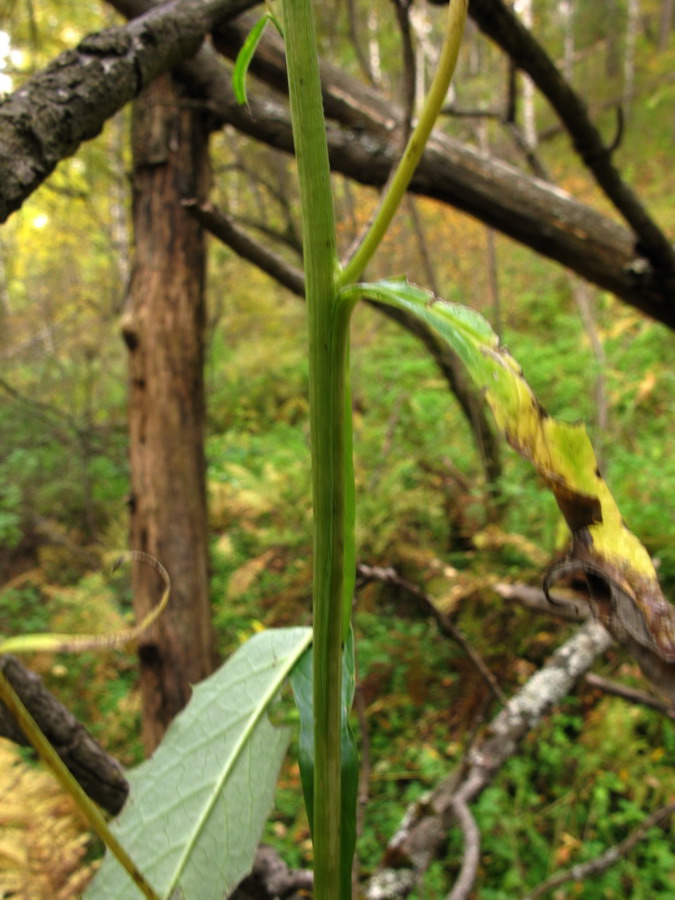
pixel 445 625
pixel 422 831
pixel 471 857
pixel 631 694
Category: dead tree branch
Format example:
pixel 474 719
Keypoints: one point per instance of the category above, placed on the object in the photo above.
pixel 499 22
pixel 633 695
pixel 67 103
pixel 538 215
pixel 445 625
pixel 100 775
pixel 425 824
pixel 534 598
pixel 471 856
pixel 271 879
pixel 53 112
pixel 222 226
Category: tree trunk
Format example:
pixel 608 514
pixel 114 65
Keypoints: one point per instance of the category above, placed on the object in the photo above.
pixel 629 56
pixel 163 329
pixel 524 9
pixel 666 23
pixel 567 13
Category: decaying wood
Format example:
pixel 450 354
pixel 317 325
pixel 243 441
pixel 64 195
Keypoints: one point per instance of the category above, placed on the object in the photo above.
pixel 163 327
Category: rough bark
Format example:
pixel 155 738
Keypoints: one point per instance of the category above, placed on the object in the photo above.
pixel 163 329
pixel 49 116
pixel 99 775
pixel 545 219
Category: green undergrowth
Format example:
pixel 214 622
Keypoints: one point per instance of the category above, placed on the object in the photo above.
pixel 591 771
pixel 581 782
pixel 596 766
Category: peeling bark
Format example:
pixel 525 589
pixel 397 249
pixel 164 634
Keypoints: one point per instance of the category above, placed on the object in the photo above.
pixel 164 331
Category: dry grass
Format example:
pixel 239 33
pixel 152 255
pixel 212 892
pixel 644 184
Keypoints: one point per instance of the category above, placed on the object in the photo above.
pixel 43 840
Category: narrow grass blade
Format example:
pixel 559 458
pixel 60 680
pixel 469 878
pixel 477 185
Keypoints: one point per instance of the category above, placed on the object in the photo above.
pixel 245 56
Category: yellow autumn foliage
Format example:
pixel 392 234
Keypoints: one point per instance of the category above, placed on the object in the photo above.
pixel 43 839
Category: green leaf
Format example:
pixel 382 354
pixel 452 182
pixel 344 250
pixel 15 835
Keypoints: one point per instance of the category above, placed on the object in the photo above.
pixel 301 682
pixel 615 569
pixel 198 806
pixel 245 56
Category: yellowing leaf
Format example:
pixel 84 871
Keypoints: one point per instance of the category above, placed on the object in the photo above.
pixel 611 563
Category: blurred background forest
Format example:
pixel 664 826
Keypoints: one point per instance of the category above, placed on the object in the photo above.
pixel 598 765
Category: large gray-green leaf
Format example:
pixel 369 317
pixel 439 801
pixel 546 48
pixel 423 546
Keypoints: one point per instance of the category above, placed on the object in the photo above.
pixel 197 807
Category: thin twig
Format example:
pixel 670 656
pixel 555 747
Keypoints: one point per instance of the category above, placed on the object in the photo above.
pixel 445 625
pixel 605 860
pixel 225 229
pixel 633 695
pixel 422 244
pixel 361 58
pixel 402 8
pixel 471 857
pixel 533 598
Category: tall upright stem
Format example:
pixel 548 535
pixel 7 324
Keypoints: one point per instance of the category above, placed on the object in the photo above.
pixel 330 435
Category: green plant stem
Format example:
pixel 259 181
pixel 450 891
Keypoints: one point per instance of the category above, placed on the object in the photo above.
pixel 330 422
pixel 86 806
pixel 415 146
